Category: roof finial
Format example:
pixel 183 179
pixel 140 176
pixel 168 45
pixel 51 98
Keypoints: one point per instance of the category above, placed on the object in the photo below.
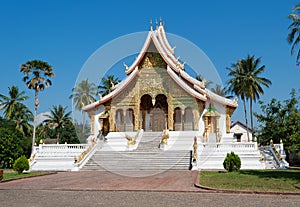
pixel 151 25
pixel 160 21
pixel 156 23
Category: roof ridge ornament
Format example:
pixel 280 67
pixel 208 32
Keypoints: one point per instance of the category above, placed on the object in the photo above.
pixel 160 21
pixel 156 24
pixel 151 29
pixel 126 66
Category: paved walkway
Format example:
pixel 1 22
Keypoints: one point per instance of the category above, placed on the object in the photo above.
pixel 179 180
pixel 102 188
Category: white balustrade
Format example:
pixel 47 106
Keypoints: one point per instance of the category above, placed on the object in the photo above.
pixel 61 150
pixel 243 146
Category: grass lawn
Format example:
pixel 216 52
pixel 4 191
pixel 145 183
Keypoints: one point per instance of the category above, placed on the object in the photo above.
pixel 256 180
pixel 7 175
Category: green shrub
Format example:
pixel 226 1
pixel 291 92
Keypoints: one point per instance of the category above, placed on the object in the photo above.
pixel 21 164
pixel 232 162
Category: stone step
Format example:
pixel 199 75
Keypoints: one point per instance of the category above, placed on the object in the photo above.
pixel 137 160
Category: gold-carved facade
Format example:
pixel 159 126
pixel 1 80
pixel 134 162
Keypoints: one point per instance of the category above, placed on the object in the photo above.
pixel 153 79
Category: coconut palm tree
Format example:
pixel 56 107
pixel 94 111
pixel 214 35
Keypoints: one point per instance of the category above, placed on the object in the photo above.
pixel 221 91
pixel 107 85
pixel 22 116
pixel 57 119
pixel 237 85
pixel 293 37
pixel 207 82
pixel 247 83
pixel 37 76
pixel 254 81
pixel 83 94
pixel 9 103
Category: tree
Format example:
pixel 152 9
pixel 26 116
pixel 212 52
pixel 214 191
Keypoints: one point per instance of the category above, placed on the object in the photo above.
pixel 207 82
pixel 58 119
pixel 281 120
pixel 21 117
pixel 12 144
pixel 68 134
pixel 237 85
pixel 107 84
pixel 254 83
pixel 37 76
pixel 293 37
pixel 82 95
pixel 221 91
pixel 247 83
pixel 9 103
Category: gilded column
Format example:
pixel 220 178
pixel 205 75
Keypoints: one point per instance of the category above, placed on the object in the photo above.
pixel 112 119
pixel 196 119
pixel 170 114
pixel 92 121
pixel 229 112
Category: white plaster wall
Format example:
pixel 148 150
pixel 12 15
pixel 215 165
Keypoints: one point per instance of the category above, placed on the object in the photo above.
pixel 221 109
pixel 238 129
pixel 222 121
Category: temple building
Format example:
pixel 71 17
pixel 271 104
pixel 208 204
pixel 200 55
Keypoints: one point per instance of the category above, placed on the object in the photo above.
pixel 159 94
pixel 159 118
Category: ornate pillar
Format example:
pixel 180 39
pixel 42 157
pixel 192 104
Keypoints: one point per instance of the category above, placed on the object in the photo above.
pixel 92 121
pixel 205 133
pixel 170 119
pixel 196 119
pixel 137 113
pixel 229 112
pixel 112 122
pixel 123 122
pixel 182 119
pixel 219 134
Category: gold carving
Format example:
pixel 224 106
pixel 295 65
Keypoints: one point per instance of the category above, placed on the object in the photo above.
pixel 132 141
pixel 153 60
pixel 165 137
pixel 195 147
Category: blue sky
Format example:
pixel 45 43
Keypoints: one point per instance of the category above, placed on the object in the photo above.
pixel 65 33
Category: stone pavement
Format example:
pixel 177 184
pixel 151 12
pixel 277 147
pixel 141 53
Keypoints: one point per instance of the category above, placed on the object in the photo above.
pixel 103 188
pixel 174 180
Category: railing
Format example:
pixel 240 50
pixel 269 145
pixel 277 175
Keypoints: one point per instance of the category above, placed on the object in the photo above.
pixel 60 150
pixel 278 158
pixel 242 146
pixel 80 161
pixel 62 147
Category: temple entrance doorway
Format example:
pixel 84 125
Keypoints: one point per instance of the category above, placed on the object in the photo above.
pixel 154 113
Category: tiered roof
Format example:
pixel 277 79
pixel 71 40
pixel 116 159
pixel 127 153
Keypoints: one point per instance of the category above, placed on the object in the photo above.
pixel 175 69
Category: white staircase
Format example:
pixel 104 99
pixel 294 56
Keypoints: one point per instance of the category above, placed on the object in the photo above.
pixel 56 157
pixel 147 155
pixel 212 155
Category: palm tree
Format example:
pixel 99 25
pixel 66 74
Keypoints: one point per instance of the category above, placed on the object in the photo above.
pixel 207 82
pixel 107 84
pixel 247 83
pixel 253 70
pixel 221 91
pixel 22 116
pixel 57 119
pixel 82 95
pixel 237 85
pixel 9 103
pixel 36 77
pixel 293 37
